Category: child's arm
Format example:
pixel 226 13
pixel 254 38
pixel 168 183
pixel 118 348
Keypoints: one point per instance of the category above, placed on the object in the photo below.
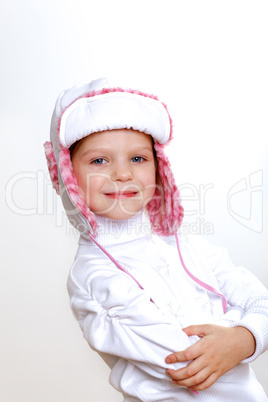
pixel 219 350
pixel 241 333
pixel 118 318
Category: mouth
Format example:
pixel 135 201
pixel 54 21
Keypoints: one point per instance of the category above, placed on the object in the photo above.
pixel 121 195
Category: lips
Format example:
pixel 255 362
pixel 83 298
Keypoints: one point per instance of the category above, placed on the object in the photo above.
pixel 121 195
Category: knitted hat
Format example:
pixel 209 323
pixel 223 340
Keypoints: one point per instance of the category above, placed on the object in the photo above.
pixel 94 107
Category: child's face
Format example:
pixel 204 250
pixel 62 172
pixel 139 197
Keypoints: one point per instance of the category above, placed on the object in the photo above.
pixel 116 172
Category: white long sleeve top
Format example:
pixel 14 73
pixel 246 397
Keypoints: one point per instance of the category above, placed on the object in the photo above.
pixel 134 329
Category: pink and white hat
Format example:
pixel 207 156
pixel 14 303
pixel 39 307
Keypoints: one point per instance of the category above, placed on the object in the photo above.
pixel 97 106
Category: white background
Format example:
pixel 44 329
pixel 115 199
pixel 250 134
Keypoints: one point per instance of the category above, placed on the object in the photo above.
pixel 208 61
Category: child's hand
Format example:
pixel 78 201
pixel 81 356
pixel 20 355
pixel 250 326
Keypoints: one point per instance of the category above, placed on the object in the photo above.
pixel 218 351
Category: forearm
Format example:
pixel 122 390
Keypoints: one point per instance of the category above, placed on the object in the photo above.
pixel 244 343
pixel 247 300
pixel 218 351
pixel 130 327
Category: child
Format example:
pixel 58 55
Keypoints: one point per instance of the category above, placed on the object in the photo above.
pixel 169 314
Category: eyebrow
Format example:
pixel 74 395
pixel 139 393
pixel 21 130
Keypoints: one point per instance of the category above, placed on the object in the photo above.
pixel 136 150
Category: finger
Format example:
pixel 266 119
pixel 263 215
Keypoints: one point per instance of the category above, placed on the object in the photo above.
pixel 199 330
pixel 189 371
pixel 206 384
pixel 174 358
pixel 186 355
pixel 183 373
pixel 198 381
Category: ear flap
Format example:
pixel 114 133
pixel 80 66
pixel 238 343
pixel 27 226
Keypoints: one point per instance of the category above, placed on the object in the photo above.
pixel 73 192
pixel 165 209
pixel 52 166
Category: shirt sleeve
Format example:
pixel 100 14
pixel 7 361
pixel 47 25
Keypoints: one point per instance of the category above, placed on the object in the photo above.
pixel 247 297
pixel 118 318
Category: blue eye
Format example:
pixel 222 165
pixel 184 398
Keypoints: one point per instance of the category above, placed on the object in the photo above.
pixel 137 159
pixel 99 161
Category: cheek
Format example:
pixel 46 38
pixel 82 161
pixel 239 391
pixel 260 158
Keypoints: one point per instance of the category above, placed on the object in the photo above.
pixel 88 187
pixel 78 171
pixel 149 182
pixel 150 177
pixel 90 183
pixel 86 181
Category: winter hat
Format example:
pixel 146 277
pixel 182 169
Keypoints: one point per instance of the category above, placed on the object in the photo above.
pixel 98 106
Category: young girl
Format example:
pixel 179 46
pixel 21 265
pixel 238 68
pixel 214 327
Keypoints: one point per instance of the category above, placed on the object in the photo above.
pixel 169 314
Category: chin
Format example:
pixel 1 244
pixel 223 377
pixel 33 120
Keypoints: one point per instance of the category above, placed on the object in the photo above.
pixel 120 215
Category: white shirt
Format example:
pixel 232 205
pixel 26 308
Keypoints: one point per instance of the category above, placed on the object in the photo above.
pixel 134 329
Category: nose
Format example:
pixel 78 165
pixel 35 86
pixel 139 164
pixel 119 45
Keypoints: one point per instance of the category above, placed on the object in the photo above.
pixel 122 171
